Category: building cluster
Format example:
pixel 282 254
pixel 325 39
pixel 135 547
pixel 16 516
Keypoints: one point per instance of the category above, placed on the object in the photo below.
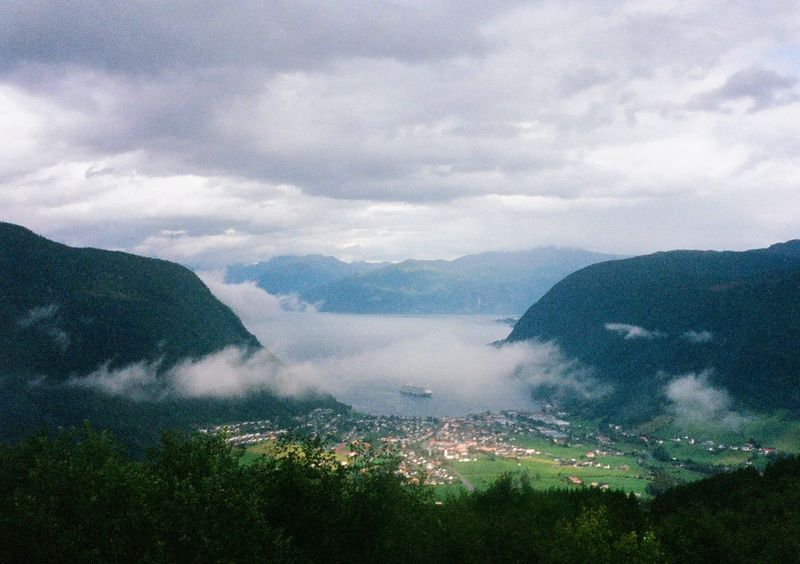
pixel 245 433
pixel 429 447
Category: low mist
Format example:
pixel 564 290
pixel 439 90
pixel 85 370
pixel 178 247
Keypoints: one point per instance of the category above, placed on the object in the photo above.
pixel 363 360
pixel 695 401
pixel 231 372
pixel 629 331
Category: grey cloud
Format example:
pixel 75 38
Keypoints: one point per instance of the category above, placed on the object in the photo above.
pixel 156 37
pixel 342 100
pixel 161 78
pixel 763 87
pixel 583 79
pixel 578 109
pixel 116 235
pixel 95 171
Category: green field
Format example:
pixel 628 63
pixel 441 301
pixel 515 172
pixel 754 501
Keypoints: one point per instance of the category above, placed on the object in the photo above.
pixel 699 453
pixel 545 472
pixel 779 429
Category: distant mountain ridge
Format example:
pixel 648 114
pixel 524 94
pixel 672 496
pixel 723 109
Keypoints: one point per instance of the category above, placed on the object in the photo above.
pixel 297 274
pixel 490 283
pixel 641 322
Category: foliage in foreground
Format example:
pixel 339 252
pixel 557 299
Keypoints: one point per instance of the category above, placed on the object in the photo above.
pixel 78 497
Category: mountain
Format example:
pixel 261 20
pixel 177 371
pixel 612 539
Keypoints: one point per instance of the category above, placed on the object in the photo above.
pixel 66 312
pixel 490 283
pixel 296 274
pixel 640 323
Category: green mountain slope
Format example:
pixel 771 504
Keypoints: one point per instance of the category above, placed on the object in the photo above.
pixel 641 321
pixel 66 311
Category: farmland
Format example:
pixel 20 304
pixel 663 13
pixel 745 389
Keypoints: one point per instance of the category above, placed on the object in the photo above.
pixel 551 448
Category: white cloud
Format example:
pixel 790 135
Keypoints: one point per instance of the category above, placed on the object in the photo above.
pixel 633 331
pixel 249 302
pixel 43 317
pixel 698 337
pixel 352 356
pixel 37 314
pixel 137 381
pixel 694 400
pixel 231 372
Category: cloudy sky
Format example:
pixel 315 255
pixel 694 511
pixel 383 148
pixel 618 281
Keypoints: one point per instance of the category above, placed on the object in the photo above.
pixel 215 132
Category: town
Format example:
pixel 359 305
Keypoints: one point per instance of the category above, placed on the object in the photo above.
pixel 552 448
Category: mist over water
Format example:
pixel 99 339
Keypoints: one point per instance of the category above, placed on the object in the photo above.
pixel 364 360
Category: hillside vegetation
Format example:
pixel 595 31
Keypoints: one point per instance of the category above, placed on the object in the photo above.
pixel 78 498
pixel 641 322
pixel 66 311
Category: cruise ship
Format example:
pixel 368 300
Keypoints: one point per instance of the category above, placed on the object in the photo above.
pixel 415 391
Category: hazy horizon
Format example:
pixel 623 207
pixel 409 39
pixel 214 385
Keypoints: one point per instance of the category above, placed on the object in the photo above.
pixel 201 267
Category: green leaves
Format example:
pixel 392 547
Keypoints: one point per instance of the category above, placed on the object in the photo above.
pixel 78 497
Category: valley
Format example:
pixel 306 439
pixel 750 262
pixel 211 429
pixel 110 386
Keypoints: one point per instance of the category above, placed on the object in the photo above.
pixel 403 282
pixel 553 449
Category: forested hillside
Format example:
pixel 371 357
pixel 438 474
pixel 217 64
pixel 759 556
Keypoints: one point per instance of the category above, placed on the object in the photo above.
pixel 78 498
pixel 640 322
pixel 66 311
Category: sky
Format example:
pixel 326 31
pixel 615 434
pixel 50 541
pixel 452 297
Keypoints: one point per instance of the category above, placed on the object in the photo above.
pixel 217 132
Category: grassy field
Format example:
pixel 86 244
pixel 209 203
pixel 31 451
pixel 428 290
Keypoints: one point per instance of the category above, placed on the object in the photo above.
pixel 779 430
pixel 699 453
pixel 545 472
